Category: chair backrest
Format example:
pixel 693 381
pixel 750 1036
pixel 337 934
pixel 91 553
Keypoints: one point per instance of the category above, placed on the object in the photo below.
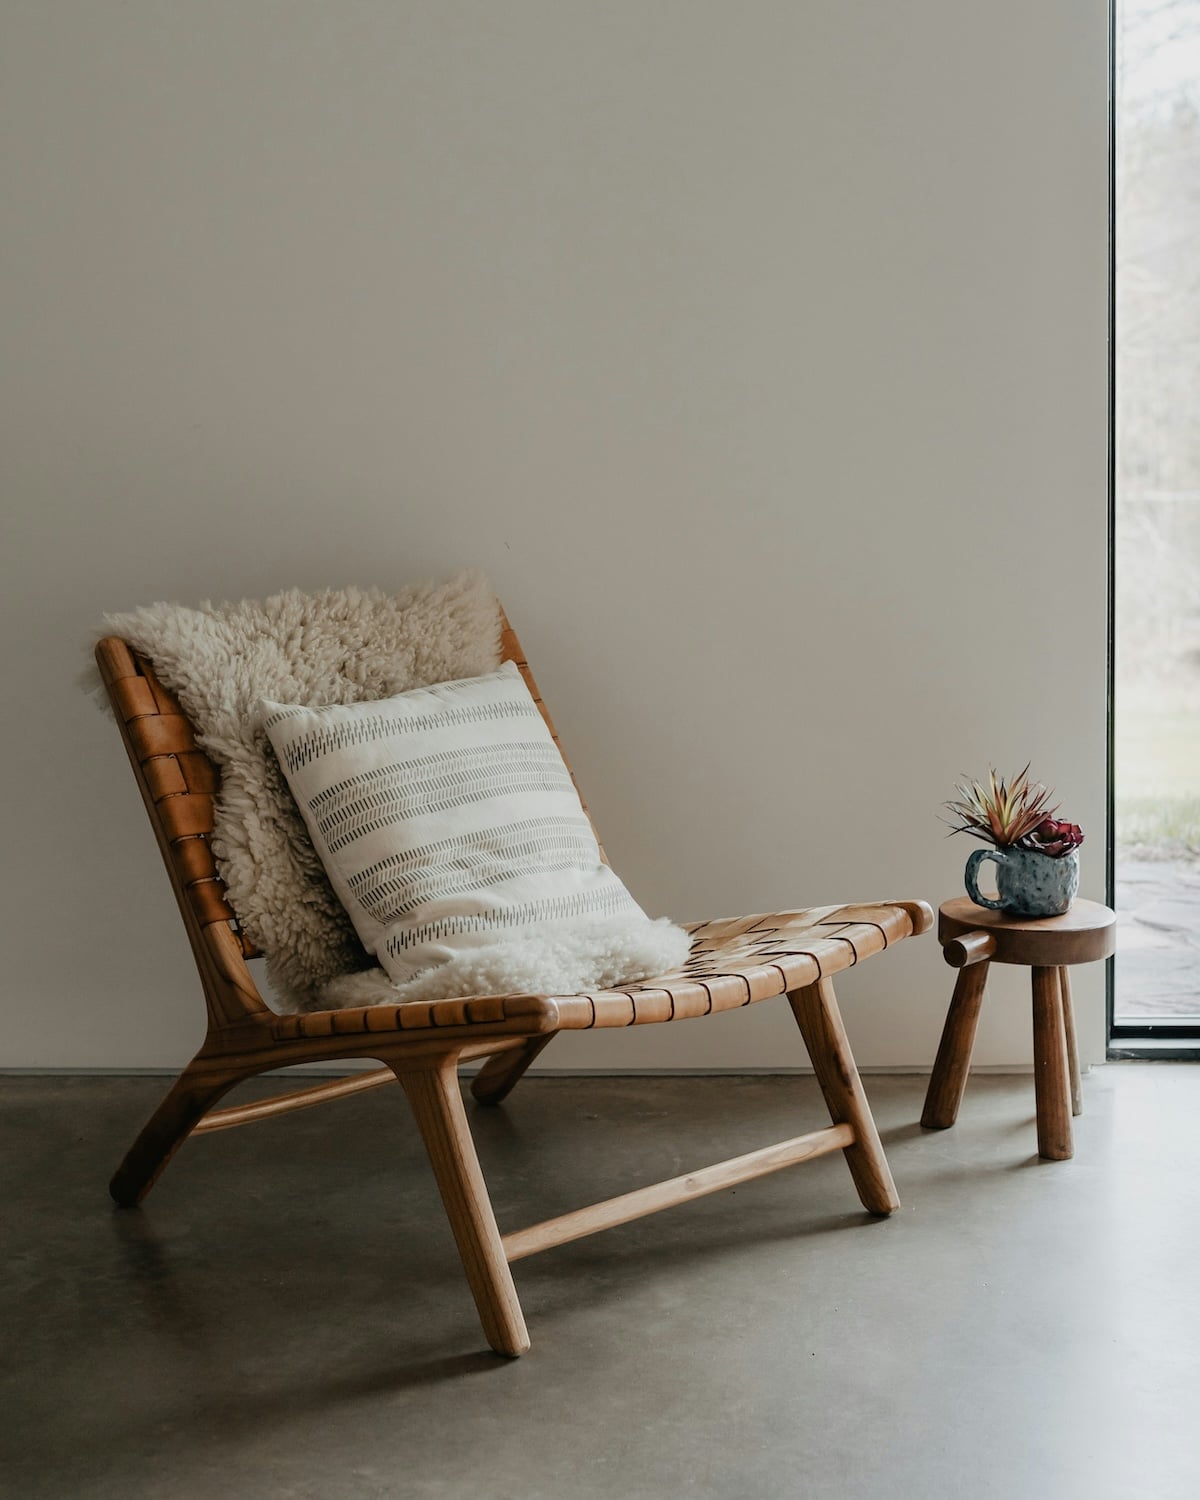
pixel 178 782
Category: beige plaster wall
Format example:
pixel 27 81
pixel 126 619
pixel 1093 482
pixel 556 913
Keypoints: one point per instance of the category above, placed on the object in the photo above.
pixel 756 350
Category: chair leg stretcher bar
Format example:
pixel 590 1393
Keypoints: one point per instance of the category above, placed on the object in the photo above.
pixel 581 1222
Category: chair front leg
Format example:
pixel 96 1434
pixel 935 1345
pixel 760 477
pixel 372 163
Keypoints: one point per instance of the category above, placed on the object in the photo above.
pixel 437 1105
pixel 820 1023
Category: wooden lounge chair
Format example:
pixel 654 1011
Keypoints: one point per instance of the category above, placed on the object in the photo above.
pixel 732 963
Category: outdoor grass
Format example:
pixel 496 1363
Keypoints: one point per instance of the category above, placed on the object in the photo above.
pixel 1157 772
pixel 1168 825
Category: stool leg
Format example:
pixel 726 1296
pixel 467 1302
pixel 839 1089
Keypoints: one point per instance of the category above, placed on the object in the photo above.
pixel 1064 985
pixel 1050 1074
pixel 949 1076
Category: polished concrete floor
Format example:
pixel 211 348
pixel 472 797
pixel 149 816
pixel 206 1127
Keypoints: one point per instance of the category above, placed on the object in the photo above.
pixel 286 1315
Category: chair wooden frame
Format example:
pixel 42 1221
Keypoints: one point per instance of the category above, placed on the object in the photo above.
pixel 422 1044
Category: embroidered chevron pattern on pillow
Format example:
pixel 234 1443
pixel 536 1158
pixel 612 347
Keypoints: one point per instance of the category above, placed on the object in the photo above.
pixel 447 821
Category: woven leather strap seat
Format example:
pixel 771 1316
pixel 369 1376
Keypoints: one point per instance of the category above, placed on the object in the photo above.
pixel 733 962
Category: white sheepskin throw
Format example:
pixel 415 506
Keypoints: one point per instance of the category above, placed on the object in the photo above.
pixel 599 955
pixel 345 646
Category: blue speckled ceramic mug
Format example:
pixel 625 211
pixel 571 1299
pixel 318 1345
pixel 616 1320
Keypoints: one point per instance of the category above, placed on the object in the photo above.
pixel 1029 884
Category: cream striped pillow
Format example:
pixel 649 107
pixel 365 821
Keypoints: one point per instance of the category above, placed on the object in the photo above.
pixel 451 831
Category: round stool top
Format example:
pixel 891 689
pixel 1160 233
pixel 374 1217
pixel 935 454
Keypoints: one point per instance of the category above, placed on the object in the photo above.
pixel 1086 932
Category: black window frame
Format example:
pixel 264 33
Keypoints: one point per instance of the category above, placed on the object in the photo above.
pixel 1166 1039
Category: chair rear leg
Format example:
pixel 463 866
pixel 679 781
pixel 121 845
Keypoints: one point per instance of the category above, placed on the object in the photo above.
pixel 820 1023
pixel 437 1106
pixel 191 1097
pixel 500 1074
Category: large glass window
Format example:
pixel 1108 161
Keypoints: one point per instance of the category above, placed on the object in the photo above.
pixel 1157 532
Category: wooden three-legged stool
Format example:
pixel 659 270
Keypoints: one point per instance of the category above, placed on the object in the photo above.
pixel 972 938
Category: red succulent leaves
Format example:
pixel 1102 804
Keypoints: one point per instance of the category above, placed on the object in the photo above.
pixel 1055 839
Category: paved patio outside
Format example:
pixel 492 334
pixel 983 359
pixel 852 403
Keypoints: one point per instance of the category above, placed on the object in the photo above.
pixel 1158 938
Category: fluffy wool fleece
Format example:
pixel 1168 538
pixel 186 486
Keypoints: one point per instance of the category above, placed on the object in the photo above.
pixel 347 646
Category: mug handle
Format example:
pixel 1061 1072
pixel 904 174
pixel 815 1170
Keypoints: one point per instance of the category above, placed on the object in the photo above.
pixel 972 874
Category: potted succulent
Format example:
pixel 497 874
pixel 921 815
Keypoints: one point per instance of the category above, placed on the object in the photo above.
pixel 1037 857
